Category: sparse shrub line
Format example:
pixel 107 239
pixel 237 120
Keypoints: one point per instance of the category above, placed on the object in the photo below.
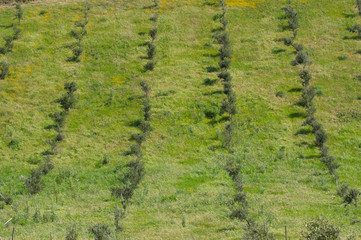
pixel 78 33
pixel 35 183
pixel 151 47
pixel 130 175
pixel 239 204
pixel 9 41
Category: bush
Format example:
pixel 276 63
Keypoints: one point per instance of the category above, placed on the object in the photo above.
pixel 43 12
pixel 100 231
pixel 146 108
pixel 46 166
pixel 72 234
pixel 71 87
pixel 77 51
pixel 34 183
pixel 19 12
pixel 320 137
pixel 306 76
pixel 280 94
pixel 254 231
pixel 224 64
pixel 321 229
pixel 59 118
pixel 348 195
pixel 298 47
pixel 138 138
pixel 7 199
pixel 225 52
pixel 151 51
pixel 118 215
pixel 145 87
pixel 150 65
pixel 222 38
pixel 355 29
pixel 153 33
pixel 16 32
pixel 301 58
pixel 342 57
pixel 211 112
pixel 4 69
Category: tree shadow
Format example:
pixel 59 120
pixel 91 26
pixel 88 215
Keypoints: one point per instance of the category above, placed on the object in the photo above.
pixel 210 82
pixel 309 145
pixel 213 93
pixel 212 69
pixel 349 15
pixel 218 29
pixel 6 26
pixel 142 33
pixel 219 120
pixel 212 55
pixel 296 89
pixel 303 131
pixel 297 115
pixel 351 38
pixel 143 44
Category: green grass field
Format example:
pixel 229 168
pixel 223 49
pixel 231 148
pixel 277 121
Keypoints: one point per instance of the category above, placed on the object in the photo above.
pixel 186 191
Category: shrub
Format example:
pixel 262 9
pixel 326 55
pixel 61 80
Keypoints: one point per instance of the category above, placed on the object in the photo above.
pixel 211 112
pixel 154 18
pixel 71 87
pixel 153 33
pixel 226 76
pixel 151 51
pixel 145 127
pixel 146 108
pixel 43 12
pixel 301 58
pixel 320 137
pixel 342 57
pixel 228 135
pixel 118 215
pixel 225 52
pixel 59 118
pixel 355 29
pixel 321 229
pixel 7 199
pixel 145 87
pixel 100 231
pixel 222 38
pixel 77 51
pixel 150 65
pixel 286 41
pixel 46 166
pixel 4 69
pixel 332 166
pixel 34 183
pixel 138 138
pixel 37 216
pixel 72 234
pixel 224 64
pixel 280 94
pixel 19 12
pixel 306 76
pixel 254 231
pixel 358 5
pixel 348 195
pixel 16 32
pixel 298 47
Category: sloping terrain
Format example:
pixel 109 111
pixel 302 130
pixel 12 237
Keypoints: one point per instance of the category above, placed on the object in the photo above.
pixel 186 191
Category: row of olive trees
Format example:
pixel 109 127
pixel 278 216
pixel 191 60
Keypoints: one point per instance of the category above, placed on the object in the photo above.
pixel 78 33
pixel 130 175
pixel 239 204
pixel 151 48
pixel 8 46
pixel 348 195
pixel 34 182
pixel 225 58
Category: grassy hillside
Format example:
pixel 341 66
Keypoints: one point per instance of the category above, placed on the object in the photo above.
pixel 186 191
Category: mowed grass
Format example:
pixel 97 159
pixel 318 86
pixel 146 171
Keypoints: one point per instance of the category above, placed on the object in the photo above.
pixel 185 180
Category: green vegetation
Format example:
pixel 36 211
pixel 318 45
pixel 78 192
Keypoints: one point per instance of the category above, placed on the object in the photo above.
pixel 159 140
